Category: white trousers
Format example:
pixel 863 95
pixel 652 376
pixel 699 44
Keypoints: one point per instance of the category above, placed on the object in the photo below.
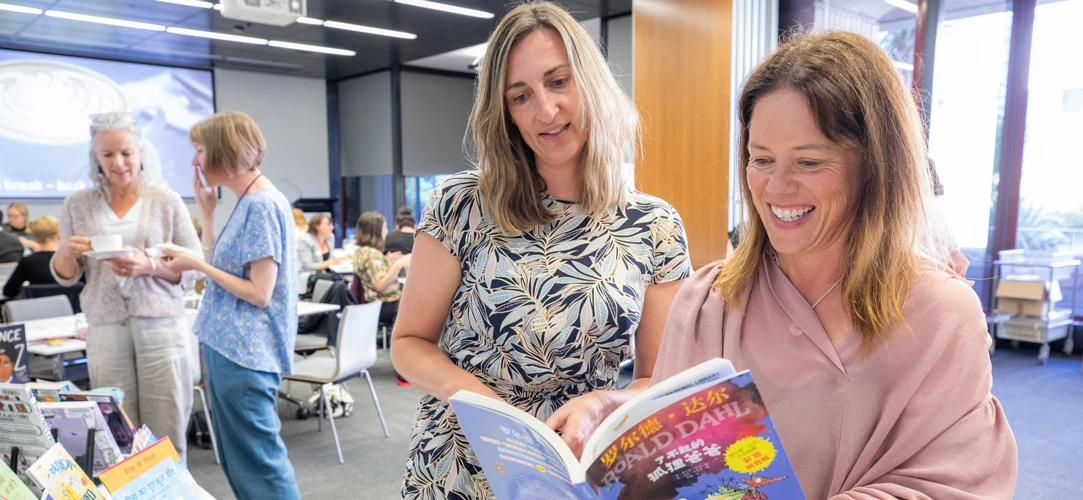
pixel 150 359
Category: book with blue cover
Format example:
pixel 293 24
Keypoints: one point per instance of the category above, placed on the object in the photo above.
pixel 703 434
pixel 161 482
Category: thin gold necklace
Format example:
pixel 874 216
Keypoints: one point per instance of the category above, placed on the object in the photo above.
pixel 822 297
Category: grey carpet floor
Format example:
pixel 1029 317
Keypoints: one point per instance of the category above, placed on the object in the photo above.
pixel 1044 406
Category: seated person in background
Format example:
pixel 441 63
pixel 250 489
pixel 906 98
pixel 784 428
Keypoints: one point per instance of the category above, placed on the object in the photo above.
pixel 18 217
pixel 378 274
pixel 34 268
pixel 314 247
pixel 402 240
pixel 11 249
pixel 299 221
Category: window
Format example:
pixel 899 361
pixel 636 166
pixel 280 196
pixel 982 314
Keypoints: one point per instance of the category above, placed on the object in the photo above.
pixel 1050 205
pixel 966 116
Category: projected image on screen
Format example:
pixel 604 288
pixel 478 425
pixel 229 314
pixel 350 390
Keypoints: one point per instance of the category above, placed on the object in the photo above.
pixel 45 104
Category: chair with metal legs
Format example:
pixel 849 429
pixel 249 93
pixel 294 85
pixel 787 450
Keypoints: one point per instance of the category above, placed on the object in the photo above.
pixel 354 354
pixel 197 385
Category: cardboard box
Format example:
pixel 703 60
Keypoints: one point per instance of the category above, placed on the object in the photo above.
pixel 1022 297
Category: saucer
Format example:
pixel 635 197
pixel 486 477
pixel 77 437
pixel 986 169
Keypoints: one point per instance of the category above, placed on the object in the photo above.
pixel 107 254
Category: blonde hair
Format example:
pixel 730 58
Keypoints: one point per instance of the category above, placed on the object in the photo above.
pixel 859 102
pixel 21 208
pixel 509 181
pixel 45 228
pixel 233 142
pixel 299 220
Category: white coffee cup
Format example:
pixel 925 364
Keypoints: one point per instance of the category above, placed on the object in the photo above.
pixel 106 243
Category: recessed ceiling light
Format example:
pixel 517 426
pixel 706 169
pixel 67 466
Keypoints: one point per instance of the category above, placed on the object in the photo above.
pixel 191 3
pixel 261 62
pixel 19 8
pixel 447 8
pixel 311 48
pixel 903 4
pixel 217 36
pixel 104 20
pixel 368 29
pixel 310 20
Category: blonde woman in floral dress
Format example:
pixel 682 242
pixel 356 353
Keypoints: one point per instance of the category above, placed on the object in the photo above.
pixel 532 275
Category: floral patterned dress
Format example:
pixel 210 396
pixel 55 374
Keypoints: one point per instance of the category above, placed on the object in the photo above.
pixel 541 317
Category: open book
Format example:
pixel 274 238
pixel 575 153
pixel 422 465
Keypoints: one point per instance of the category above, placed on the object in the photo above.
pixel 702 434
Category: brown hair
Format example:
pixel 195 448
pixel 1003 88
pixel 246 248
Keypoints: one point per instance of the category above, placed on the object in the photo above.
pixel 45 228
pixel 315 221
pixel 370 230
pixel 509 181
pixel 405 218
pixel 233 142
pixel 859 102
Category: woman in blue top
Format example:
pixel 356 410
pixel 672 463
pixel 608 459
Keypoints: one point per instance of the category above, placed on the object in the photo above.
pixel 248 321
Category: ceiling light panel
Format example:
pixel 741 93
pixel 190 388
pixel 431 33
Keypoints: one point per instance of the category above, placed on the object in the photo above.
pixel 104 20
pixel 368 29
pixel 463 11
pixel 311 48
pixel 191 3
pixel 20 9
pixel 217 36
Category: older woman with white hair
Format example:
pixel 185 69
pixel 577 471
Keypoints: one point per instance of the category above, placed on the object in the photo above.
pixel 138 338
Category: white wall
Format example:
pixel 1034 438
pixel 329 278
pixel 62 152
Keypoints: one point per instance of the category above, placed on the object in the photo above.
pixel 620 51
pixel 291 112
pixel 364 117
pixel 435 110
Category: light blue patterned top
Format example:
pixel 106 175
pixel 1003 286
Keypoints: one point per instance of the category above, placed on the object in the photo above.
pixel 257 339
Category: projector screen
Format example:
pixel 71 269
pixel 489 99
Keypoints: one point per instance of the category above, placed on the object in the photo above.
pixel 45 104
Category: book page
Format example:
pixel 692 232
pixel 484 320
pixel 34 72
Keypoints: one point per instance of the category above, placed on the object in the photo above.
pixel 658 396
pixel 522 458
pixel 106 452
pixel 718 442
pixel 13 488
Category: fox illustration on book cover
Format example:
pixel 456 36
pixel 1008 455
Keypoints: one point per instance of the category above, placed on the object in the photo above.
pixel 716 444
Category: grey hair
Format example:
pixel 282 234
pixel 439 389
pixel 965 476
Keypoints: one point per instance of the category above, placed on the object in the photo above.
pixel 121 120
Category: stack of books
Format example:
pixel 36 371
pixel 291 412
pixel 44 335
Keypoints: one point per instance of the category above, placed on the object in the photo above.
pixel 48 447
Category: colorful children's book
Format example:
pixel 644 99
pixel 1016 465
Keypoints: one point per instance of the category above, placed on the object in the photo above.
pixel 702 434
pixel 22 426
pixel 49 392
pixel 106 452
pixel 14 360
pixel 119 423
pixel 57 473
pixel 119 475
pixel 143 438
pixel 161 482
pixel 12 487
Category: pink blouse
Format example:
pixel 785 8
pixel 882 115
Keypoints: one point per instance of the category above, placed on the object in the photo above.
pixel 913 419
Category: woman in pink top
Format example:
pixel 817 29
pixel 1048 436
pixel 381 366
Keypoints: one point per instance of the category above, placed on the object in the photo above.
pixel 871 357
